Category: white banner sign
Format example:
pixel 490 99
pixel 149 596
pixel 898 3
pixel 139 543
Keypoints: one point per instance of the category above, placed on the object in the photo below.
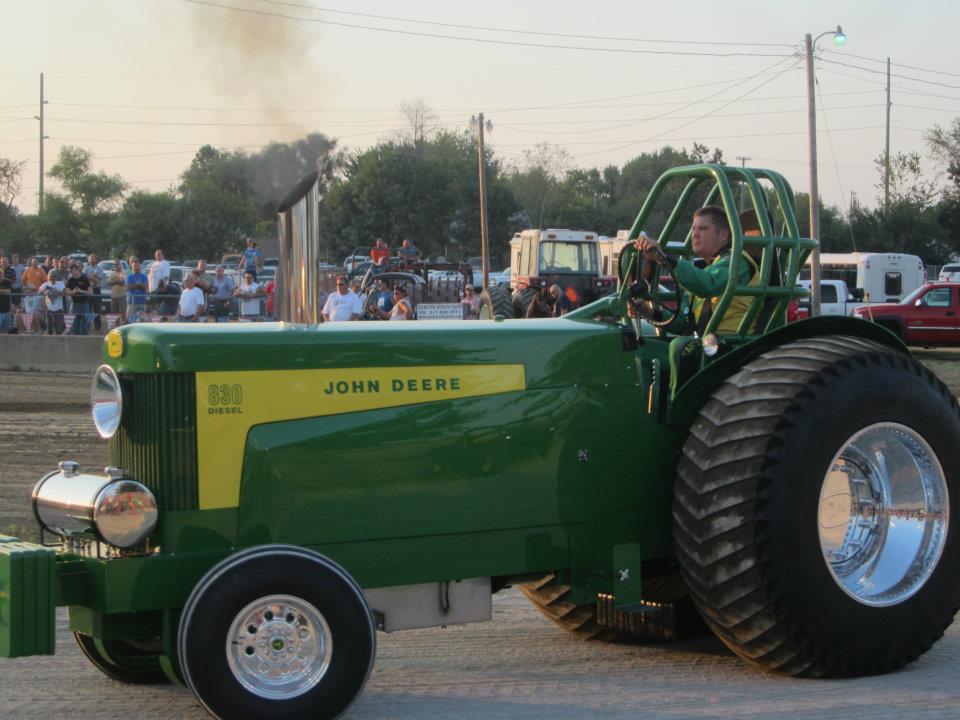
pixel 440 311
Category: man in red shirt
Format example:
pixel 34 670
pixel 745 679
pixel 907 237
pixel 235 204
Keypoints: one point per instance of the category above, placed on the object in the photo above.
pixel 380 253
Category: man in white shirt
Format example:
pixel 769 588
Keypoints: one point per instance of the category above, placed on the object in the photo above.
pixel 191 300
pixel 249 293
pixel 160 270
pixel 342 304
pixel 52 292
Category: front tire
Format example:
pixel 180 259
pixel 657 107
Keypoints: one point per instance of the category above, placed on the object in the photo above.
pixel 276 631
pixel 813 508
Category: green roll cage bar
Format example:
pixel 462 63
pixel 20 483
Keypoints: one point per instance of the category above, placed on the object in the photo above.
pixel 788 249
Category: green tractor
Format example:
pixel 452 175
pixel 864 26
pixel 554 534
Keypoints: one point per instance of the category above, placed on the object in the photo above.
pixel 794 487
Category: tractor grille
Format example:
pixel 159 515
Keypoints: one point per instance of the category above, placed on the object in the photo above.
pixel 157 439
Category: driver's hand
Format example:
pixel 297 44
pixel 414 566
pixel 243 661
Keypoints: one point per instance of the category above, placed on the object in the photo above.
pixel 650 249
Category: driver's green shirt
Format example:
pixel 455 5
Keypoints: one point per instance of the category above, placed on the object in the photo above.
pixel 708 283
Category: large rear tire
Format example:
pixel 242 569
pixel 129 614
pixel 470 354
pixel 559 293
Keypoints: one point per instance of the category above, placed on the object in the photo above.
pixel 670 614
pixel 521 300
pixel 815 509
pixel 493 302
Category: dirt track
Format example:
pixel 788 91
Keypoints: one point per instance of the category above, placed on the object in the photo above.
pixel 519 666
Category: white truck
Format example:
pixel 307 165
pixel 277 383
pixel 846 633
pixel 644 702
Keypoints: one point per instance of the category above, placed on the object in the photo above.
pixel 835 298
pixel 883 277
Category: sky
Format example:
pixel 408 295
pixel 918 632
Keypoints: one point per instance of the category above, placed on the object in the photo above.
pixel 143 83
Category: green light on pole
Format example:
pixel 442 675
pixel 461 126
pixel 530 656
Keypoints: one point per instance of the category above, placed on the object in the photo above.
pixel 839 38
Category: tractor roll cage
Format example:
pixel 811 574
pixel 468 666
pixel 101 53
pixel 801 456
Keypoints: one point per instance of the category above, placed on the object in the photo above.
pixel 785 253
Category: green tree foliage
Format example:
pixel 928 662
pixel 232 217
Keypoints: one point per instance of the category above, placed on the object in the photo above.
pixel 216 207
pixel 89 193
pixel 147 221
pixel 426 192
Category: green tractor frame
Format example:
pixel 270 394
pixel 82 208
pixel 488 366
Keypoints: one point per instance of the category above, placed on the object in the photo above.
pixel 280 492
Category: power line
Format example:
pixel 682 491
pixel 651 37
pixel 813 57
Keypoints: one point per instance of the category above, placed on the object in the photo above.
pixel 707 114
pixel 906 90
pixel 514 43
pixel 884 62
pixel 522 31
pixel 882 72
pixel 511 126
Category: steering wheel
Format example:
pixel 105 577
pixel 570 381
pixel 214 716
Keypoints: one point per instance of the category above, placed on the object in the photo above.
pixel 645 296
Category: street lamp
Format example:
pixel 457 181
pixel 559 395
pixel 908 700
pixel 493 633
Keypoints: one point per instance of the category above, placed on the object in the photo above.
pixel 839 38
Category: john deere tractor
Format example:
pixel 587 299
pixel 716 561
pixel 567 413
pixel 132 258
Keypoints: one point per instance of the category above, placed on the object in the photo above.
pixel 792 487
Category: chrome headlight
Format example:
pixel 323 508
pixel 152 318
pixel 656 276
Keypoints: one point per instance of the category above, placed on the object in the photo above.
pixel 106 401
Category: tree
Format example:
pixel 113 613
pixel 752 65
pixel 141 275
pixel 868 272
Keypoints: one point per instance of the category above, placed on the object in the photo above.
pixel 944 146
pixel 537 183
pixel 420 122
pixel 146 222
pixel 10 171
pixel 907 183
pixel 427 193
pixel 90 193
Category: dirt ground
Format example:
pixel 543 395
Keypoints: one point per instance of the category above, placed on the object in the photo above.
pixel 517 667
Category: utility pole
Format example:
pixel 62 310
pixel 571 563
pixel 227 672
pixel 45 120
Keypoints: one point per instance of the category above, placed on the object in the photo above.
pixel 743 163
pixel 886 152
pixel 482 163
pixel 814 192
pixel 42 138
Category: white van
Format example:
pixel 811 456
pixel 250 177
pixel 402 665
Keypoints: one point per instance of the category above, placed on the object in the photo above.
pixel 883 277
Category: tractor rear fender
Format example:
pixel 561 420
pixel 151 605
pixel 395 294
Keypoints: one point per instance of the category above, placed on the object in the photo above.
pixel 691 397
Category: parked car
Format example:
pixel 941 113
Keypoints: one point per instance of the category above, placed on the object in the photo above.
pixel 271 262
pixel 107 265
pixel 930 315
pixel 191 263
pixel 950 273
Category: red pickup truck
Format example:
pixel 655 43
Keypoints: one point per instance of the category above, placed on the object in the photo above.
pixel 930 315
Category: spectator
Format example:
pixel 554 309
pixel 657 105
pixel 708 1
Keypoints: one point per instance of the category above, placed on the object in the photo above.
pixel 166 297
pixel 58 269
pixel 79 289
pixel 251 260
pixel 33 277
pixel 117 282
pixel 52 291
pixel 269 290
pixel 7 277
pixel 203 278
pixel 409 253
pixel 92 270
pixel 190 306
pixel 159 272
pixel 383 299
pixel 472 302
pixel 539 306
pixel 342 304
pixel 47 266
pixel 380 254
pixel 221 290
pixel 249 293
pixel 137 284
pixel 356 285
pixel 561 303
pixel 401 306
pixel 18 268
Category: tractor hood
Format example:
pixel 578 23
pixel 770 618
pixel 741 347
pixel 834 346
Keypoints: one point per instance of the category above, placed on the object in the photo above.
pixel 553 352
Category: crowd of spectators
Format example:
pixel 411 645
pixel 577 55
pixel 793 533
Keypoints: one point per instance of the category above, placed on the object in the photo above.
pixel 72 296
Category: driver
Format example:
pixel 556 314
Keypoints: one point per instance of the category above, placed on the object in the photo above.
pixel 710 238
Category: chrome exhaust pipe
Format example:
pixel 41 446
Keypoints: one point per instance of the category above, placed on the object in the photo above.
pixel 297 293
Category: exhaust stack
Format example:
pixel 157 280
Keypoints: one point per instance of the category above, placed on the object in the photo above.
pixel 298 277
